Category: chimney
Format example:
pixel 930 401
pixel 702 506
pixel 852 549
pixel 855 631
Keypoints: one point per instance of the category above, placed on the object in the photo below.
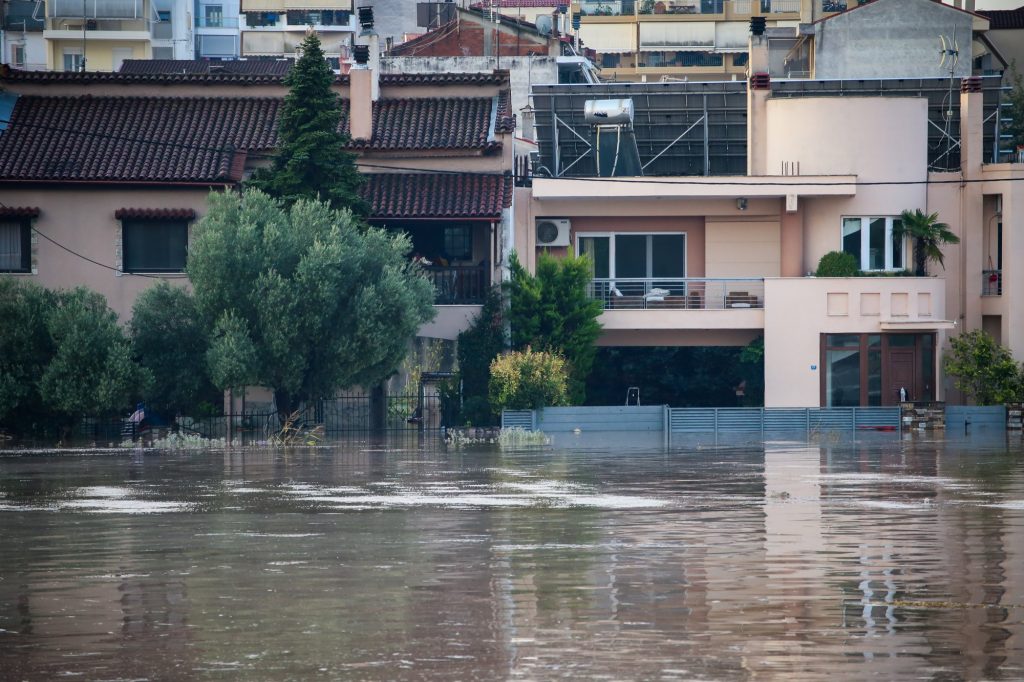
pixel 364 78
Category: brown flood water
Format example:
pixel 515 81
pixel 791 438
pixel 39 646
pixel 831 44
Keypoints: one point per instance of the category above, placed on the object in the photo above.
pixel 885 559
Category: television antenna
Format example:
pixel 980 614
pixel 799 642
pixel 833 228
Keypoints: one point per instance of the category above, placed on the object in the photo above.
pixel 949 51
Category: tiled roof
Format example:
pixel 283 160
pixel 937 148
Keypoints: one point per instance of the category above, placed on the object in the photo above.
pixel 429 123
pixel 19 211
pixel 437 195
pixel 1004 18
pixel 155 214
pixel 271 67
pixel 205 139
pixel 531 3
pixel 498 77
pixel 506 120
pixel 135 139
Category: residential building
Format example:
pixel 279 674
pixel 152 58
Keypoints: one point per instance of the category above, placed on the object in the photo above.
pixel 705 207
pixel 217 29
pixel 99 35
pixel 1006 33
pixel 103 175
pixel 21 35
pixel 275 28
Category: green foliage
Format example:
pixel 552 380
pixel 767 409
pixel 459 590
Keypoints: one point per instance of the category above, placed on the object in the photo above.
pixel 311 161
pixel 528 379
pixel 25 347
pixel 302 299
pixel 478 345
pixel 751 370
pixel 838 264
pixel 170 340
pixel 551 311
pixel 984 371
pixel 929 236
pixel 92 371
pixel 1013 113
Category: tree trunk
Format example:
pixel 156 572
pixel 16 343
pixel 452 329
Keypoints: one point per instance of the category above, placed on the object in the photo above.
pixel 286 405
pixel 920 258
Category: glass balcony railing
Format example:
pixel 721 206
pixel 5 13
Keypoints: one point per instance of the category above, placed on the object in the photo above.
pixel 614 8
pixel 681 7
pixel 766 6
pixel 658 293
pixel 95 9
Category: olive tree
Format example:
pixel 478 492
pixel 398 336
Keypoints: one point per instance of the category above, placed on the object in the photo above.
pixel 25 347
pixel 984 371
pixel 304 300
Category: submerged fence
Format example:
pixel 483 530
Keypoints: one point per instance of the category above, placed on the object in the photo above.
pixel 705 420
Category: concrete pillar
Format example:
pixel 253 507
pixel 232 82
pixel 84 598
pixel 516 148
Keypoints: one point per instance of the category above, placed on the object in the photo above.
pixel 1013 268
pixel 758 92
pixel 181 29
pixel 792 244
pixel 971 218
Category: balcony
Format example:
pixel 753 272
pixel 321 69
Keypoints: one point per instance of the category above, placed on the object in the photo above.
pixel 458 284
pixel 216 22
pixel 766 6
pixel 636 293
pixel 95 9
pixel 991 282
pixel 672 7
pixel 609 8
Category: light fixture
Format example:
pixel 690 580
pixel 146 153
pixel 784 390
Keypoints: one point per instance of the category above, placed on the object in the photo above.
pixel 741 203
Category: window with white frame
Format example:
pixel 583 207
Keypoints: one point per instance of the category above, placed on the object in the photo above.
pixel 18 54
pixel 15 245
pixel 871 241
pixel 623 258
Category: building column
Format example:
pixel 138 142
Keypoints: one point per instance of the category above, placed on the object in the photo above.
pixel 1013 269
pixel 971 216
pixel 791 258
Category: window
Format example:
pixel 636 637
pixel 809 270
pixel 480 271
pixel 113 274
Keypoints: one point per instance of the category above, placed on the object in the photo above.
pixel 18 55
pixel 458 242
pixel 15 246
pixel 73 60
pixel 871 242
pixel 214 16
pixel 876 369
pixel 635 256
pixel 154 245
pixel 253 19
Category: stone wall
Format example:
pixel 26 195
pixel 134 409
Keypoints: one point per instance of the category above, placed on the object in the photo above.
pixel 923 416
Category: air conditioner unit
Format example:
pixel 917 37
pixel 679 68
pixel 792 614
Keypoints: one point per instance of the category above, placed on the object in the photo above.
pixel 553 231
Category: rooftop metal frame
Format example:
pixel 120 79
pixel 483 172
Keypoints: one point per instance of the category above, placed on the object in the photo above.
pixel 700 128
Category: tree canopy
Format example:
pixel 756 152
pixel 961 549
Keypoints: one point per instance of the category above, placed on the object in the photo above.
pixel 302 299
pixel 311 161
pixel 983 370
pixel 929 236
pixel 550 311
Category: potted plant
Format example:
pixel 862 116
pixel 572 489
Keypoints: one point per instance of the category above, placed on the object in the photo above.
pixel 929 236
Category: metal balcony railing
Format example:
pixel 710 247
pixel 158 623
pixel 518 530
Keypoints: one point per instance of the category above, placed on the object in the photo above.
pixel 216 22
pixel 991 282
pixel 458 284
pixel 658 293
pixel 95 9
pixel 766 6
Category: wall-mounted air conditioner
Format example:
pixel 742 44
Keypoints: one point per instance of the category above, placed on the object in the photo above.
pixel 553 231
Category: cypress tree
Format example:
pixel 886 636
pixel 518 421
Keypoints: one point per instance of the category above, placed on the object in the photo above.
pixel 311 161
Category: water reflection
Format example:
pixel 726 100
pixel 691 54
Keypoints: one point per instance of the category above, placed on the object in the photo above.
pixel 884 558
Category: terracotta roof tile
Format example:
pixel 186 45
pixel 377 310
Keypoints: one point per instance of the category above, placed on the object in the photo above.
pixel 19 211
pixel 437 195
pixel 251 67
pixel 155 214
pixel 134 139
pixel 498 77
pixel 205 139
pixel 1004 18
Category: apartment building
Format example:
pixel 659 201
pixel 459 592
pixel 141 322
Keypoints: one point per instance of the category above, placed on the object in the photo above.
pixel 21 35
pixel 275 28
pixel 217 32
pixel 705 207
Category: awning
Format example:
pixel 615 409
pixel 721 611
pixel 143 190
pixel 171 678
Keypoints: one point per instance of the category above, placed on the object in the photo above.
pixel 732 36
pixel 155 214
pixel 437 196
pixel 680 36
pixel 19 211
pixel 609 38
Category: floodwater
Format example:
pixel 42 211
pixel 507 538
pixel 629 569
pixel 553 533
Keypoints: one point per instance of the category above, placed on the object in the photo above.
pixel 885 559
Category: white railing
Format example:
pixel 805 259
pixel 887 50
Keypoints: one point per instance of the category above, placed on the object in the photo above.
pixel 95 9
pixel 765 6
pixel 659 293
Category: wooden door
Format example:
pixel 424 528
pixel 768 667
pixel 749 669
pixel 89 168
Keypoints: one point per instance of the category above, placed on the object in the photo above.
pixel 902 374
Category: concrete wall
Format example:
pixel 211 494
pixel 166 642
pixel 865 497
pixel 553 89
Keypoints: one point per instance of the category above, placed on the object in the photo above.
pixel 876 38
pixel 35 48
pixel 1010 43
pixel 99 54
pixel 835 306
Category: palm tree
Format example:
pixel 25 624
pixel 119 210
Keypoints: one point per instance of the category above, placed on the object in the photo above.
pixel 929 236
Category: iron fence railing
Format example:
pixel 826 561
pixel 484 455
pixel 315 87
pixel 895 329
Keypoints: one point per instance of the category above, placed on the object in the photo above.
pixel 458 284
pixel 991 282
pixel 634 293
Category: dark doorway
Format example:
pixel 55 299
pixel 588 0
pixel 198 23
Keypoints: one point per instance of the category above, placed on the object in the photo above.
pixel 871 369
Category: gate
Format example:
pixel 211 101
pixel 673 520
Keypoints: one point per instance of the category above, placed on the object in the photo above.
pixel 961 416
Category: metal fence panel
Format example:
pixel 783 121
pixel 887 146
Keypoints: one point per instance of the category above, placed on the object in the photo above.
pixel 517 419
pixel 959 416
pixel 740 419
pixel 618 418
pixel 785 419
pixel 692 419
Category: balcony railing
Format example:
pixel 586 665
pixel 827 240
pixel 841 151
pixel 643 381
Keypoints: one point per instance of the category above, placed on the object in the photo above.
pixel 458 285
pixel 95 9
pixel 606 8
pixel 681 7
pixel 766 6
pixel 216 22
pixel 633 293
pixel 991 282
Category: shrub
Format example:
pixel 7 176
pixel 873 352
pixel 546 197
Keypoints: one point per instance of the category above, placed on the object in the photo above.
pixel 984 370
pixel 528 380
pixel 837 264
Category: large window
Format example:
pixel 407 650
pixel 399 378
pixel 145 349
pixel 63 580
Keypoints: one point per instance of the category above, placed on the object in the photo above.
pixel 15 246
pixel 155 245
pixel 214 16
pixel 877 369
pixel 871 242
pixel 632 264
